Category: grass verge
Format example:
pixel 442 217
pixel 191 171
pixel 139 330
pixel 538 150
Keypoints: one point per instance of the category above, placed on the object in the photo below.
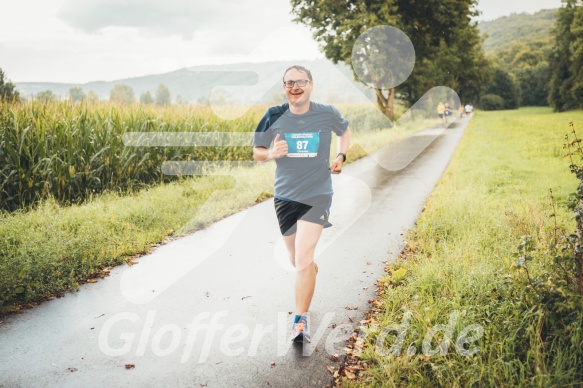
pixel 459 271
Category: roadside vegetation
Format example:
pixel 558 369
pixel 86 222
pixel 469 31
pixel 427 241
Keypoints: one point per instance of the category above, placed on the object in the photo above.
pixel 493 254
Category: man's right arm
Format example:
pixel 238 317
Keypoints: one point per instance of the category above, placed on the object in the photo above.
pixel 262 154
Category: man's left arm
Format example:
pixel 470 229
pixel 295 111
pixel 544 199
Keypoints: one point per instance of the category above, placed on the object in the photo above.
pixel 343 145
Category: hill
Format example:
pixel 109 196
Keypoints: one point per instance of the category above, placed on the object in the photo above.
pixel 523 27
pixel 243 82
pixel 518 47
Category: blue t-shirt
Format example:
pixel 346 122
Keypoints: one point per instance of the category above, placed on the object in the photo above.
pixel 305 172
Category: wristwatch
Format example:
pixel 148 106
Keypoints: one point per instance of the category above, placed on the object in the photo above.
pixel 343 155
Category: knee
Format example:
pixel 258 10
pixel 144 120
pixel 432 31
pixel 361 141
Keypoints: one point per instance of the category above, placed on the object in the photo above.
pixel 303 260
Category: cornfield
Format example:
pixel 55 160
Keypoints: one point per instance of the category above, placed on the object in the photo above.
pixel 71 151
pixel 68 151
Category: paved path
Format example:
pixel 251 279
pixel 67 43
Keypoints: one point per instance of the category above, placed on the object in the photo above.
pixel 211 309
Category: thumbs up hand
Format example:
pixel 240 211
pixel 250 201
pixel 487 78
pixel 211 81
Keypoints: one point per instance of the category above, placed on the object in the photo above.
pixel 279 149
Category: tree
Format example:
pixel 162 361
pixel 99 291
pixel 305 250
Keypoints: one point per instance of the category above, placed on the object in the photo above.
pixel 202 101
pixel 46 96
pixel 528 62
pixel 504 84
pixel 92 97
pixel 561 60
pixel 446 41
pixel 527 57
pixel 8 91
pixel 531 69
pixel 122 94
pixel 163 95
pixel 146 98
pixel 337 25
pixel 220 97
pixel 447 44
pixel 534 84
pixel 76 94
pixel 576 49
pixel 460 64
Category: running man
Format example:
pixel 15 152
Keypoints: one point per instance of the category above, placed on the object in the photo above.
pixel 301 132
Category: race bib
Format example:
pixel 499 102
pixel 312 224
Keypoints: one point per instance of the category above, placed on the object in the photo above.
pixel 303 144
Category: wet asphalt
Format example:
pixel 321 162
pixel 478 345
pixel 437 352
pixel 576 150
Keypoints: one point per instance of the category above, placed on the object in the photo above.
pixel 212 309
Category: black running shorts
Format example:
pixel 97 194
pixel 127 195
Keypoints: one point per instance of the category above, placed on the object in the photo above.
pixel 316 210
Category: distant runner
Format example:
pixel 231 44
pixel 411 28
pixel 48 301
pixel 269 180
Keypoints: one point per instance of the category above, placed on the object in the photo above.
pixel 440 111
pixel 301 132
pixel 447 112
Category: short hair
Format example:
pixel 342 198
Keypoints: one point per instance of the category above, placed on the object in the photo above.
pixel 298 68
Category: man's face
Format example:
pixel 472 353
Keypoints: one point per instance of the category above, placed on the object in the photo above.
pixel 297 95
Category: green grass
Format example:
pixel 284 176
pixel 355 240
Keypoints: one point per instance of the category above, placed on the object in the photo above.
pixel 460 258
pixel 54 247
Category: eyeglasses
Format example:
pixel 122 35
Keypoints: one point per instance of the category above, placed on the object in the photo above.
pixel 300 82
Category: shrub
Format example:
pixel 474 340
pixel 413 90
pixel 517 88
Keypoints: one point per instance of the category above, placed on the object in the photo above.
pixel 492 102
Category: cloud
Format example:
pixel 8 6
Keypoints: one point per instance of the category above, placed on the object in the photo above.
pixel 87 40
pixel 168 17
pixel 177 17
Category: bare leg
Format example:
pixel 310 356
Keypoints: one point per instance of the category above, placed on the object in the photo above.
pixel 290 244
pixel 306 239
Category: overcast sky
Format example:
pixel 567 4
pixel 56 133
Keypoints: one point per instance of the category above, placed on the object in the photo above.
pixel 89 40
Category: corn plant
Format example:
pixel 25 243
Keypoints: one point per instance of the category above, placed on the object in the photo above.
pixel 71 151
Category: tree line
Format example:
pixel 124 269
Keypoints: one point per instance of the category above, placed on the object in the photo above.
pixel 543 71
pixel 120 94
pixel 566 60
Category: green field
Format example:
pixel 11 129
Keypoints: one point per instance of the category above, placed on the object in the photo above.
pixel 460 262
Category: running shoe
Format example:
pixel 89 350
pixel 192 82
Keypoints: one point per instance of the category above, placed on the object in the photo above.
pixel 300 330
